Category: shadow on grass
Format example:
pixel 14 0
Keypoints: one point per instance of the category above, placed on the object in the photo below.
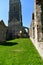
pixel 8 43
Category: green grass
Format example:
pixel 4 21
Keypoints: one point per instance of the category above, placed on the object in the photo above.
pixel 19 52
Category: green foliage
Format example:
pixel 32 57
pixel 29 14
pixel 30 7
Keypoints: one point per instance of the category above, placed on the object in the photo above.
pixel 19 52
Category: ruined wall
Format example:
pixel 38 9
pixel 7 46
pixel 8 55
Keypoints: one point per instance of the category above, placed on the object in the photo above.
pixel 3 30
pixel 37 29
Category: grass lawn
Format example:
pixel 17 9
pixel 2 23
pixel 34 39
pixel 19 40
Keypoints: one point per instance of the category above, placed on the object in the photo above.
pixel 19 52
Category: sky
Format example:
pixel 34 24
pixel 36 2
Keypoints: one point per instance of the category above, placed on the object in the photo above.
pixel 27 10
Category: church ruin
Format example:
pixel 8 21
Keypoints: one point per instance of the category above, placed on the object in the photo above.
pixel 15 26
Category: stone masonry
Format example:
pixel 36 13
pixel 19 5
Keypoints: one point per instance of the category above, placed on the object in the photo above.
pixel 15 18
pixel 15 27
pixel 3 31
pixel 36 27
pixel 37 22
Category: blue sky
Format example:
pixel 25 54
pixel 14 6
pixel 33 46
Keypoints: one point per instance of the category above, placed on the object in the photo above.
pixel 27 9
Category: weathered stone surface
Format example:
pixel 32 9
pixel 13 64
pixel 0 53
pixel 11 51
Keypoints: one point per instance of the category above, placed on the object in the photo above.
pixel 15 18
pixel 36 27
pixel 3 30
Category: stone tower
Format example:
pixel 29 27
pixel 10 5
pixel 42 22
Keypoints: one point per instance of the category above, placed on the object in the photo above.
pixel 38 19
pixel 15 18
